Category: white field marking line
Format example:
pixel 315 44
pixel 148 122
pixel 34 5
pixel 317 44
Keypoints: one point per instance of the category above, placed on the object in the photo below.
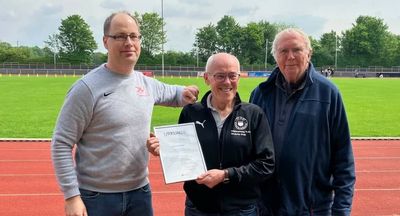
pixel 376 147
pixel 60 194
pixel 11 149
pixel 377 171
pixel 390 215
pixel 50 174
pixel 24 175
pixel 376 158
pixel 25 160
pixel 377 189
pixel 34 194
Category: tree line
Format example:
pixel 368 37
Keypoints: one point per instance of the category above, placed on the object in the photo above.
pixel 367 43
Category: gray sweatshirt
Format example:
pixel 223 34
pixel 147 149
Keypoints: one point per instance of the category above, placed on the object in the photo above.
pixel 107 116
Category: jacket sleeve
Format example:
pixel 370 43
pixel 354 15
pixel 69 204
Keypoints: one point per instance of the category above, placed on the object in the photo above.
pixel 342 160
pixel 74 117
pixel 263 165
pixel 166 94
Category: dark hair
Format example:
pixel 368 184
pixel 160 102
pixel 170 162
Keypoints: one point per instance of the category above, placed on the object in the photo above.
pixel 107 22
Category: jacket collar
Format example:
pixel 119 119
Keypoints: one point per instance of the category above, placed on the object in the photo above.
pixel 237 99
pixel 309 80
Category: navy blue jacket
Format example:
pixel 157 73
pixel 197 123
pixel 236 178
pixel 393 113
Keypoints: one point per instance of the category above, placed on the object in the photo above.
pixel 314 172
pixel 244 148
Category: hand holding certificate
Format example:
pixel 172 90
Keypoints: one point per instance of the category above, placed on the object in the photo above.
pixel 180 152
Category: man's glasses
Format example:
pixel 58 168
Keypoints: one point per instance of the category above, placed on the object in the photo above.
pixel 220 77
pixel 124 37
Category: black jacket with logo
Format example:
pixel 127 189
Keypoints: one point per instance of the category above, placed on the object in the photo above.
pixel 244 147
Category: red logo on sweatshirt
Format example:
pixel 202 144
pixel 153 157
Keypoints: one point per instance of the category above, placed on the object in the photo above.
pixel 141 91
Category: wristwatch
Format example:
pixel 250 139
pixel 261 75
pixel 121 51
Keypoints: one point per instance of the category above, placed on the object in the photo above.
pixel 226 176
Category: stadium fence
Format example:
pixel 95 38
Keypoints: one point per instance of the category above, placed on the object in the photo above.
pixel 183 70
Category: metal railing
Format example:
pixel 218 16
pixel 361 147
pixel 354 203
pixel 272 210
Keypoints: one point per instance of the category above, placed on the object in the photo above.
pixel 14 68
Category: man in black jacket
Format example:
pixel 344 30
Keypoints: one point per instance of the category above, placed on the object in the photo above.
pixel 236 143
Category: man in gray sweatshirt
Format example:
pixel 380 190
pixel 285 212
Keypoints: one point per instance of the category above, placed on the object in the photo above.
pixel 106 115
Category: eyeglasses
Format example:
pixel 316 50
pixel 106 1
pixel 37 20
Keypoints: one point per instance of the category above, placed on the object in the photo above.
pixel 124 37
pixel 295 51
pixel 220 77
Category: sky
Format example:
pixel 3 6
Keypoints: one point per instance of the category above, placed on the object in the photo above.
pixel 29 23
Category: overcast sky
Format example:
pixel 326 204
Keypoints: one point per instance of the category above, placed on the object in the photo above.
pixel 29 23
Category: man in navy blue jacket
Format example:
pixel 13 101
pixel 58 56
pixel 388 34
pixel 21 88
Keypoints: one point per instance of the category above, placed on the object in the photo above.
pixel 314 173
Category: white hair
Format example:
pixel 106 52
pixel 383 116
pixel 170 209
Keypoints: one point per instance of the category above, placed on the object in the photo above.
pixel 290 31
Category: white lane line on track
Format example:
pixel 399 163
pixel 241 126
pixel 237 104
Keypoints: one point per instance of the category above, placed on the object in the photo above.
pixel 60 194
pixel 33 194
pixel 45 174
pixel 377 189
pixel 24 175
pixel 377 171
pixel 377 147
pixel 376 158
pixel 25 160
pixel 390 215
pixel 36 149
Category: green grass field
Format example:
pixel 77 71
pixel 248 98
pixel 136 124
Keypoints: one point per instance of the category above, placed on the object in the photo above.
pixel 30 105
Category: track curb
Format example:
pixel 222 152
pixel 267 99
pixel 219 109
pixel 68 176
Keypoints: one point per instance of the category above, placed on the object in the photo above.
pixel 25 140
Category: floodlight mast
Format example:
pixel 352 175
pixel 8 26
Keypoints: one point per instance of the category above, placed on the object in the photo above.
pixel 162 38
pixel 266 54
pixel 336 49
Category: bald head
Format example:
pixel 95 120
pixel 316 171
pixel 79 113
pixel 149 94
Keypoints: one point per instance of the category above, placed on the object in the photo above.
pixel 220 60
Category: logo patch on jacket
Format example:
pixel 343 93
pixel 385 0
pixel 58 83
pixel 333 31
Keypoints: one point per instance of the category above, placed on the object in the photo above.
pixel 241 123
pixel 201 123
pixel 141 91
pixel 240 127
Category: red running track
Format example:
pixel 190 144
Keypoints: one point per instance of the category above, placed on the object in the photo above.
pixel 28 186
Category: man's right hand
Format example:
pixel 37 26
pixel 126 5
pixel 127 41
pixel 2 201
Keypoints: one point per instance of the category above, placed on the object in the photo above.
pixel 74 206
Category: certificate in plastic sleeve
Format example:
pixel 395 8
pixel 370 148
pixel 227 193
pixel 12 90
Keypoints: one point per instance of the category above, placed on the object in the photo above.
pixel 180 152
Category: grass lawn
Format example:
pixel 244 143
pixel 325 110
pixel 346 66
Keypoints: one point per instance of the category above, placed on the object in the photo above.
pixel 30 105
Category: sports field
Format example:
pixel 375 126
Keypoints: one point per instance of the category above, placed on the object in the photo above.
pixel 29 108
pixel 29 105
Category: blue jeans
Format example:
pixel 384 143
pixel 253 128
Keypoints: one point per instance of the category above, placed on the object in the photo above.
pixel 135 202
pixel 191 210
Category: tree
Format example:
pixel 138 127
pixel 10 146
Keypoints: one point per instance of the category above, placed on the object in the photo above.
pixel 76 40
pixel 53 43
pixel 363 44
pixel 269 31
pixel 206 41
pixel 4 49
pixel 253 44
pixel 392 47
pixel 324 50
pixel 151 26
pixel 247 43
pixel 229 32
pixel 9 53
pixel 179 58
pixel 99 58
